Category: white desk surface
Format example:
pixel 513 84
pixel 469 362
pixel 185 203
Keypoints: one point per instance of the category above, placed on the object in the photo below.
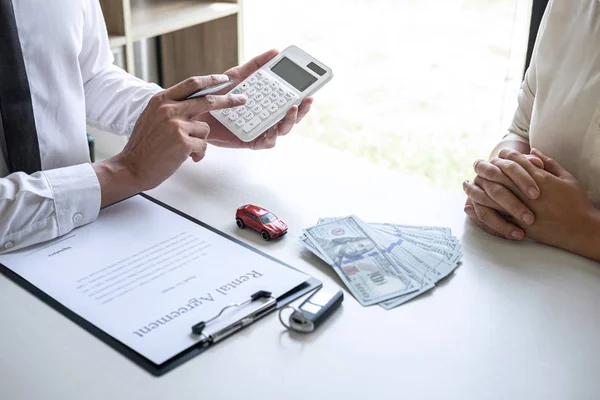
pixel 516 320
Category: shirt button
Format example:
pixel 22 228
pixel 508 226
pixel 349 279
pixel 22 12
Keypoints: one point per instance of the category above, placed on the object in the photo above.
pixel 9 245
pixel 77 217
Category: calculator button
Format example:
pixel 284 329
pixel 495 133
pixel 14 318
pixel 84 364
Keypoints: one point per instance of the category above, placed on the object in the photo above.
pixel 265 114
pixel 233 116
pixel 267 90
pixel 226 111
pixel 274 85
pixel 281 101
pixel 289 96
pixel 253 123
pixel 253 80
pixel 273 107
pixel 240 122
pixel 260 74
pixel 266 80
pixel 241 110
pixel 249 115
pixel 257 109
pixel 236 91
pixel 259 97
pixel 259 85
pixel 265 103
pixel 245 86
pixel 250 103
pixel 273 96
pixel 251 92
pixel 280 91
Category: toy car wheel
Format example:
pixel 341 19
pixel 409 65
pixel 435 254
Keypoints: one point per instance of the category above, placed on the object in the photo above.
pixel 265 235
pixel 240 223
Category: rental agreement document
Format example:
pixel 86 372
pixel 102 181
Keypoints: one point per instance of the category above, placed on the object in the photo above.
pixel 145 275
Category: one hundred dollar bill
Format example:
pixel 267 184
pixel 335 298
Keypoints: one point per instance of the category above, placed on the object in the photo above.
pixel 434 267
pixel 369 274
pixel 429 229
pixel 450 253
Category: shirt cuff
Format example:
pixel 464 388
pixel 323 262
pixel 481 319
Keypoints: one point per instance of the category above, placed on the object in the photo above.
pixel 77 196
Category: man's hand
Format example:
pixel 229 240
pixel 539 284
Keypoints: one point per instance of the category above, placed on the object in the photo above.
pixel 565 217
pixel 222 137
pixel 165 135
pixel 491 194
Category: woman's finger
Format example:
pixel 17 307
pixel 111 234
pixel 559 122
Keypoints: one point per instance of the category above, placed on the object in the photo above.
pixel 553 166
pixel 495 222
pixel 535 160
pixel 519 176
pixel 478 195
pixel 488 230
pixel 506 200
pixel 491 172
pixel 470 211
pixel 521 171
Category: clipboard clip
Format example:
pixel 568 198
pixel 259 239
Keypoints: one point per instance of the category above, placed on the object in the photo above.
pixel 198 328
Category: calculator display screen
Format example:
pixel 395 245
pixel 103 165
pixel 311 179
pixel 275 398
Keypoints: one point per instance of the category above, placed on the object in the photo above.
pixel 293 74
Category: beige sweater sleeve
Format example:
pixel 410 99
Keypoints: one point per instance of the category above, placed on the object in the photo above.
pixel 519 128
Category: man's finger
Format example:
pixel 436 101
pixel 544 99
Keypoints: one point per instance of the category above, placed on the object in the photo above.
pixel 196 147
pixel 243 71
pixel 286 125
pixel 552 165
pixel 198 129
pixel 519 176
pixel 193 107
pixel 304 108
pixel 265 141
pixel 191 85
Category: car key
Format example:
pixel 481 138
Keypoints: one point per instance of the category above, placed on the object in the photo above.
pixel 314 310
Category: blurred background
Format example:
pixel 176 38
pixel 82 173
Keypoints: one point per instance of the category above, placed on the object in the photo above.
pixel 423 87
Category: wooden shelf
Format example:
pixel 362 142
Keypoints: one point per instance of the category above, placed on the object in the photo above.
pixel 150 18
pixel 195 36
pixel 116 41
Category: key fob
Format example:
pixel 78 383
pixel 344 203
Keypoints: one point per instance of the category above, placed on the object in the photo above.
pixel 314 310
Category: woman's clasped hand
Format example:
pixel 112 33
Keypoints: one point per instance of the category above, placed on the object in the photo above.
pixel 516 196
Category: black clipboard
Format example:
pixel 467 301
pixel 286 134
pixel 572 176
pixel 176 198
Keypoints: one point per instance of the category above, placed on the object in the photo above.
pixel 137 358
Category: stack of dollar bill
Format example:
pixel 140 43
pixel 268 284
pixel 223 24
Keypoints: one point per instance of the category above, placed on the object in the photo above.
pixel 381 263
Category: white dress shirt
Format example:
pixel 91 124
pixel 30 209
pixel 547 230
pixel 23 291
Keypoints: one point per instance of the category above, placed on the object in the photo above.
pixel 73 81
pixel 559 102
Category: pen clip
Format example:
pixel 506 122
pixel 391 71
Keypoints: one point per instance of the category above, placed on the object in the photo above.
pixel 242 323
pixel 261 294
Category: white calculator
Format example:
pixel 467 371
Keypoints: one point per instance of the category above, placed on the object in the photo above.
pixel 281 83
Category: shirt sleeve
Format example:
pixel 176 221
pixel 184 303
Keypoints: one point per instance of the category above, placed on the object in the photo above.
pixel 114 99
pixel 519 128
pixel 39 207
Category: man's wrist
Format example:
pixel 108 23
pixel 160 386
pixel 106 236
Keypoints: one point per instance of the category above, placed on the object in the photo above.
pixel 117 182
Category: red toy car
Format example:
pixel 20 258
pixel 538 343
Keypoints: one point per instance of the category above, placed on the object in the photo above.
pixel 261 220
